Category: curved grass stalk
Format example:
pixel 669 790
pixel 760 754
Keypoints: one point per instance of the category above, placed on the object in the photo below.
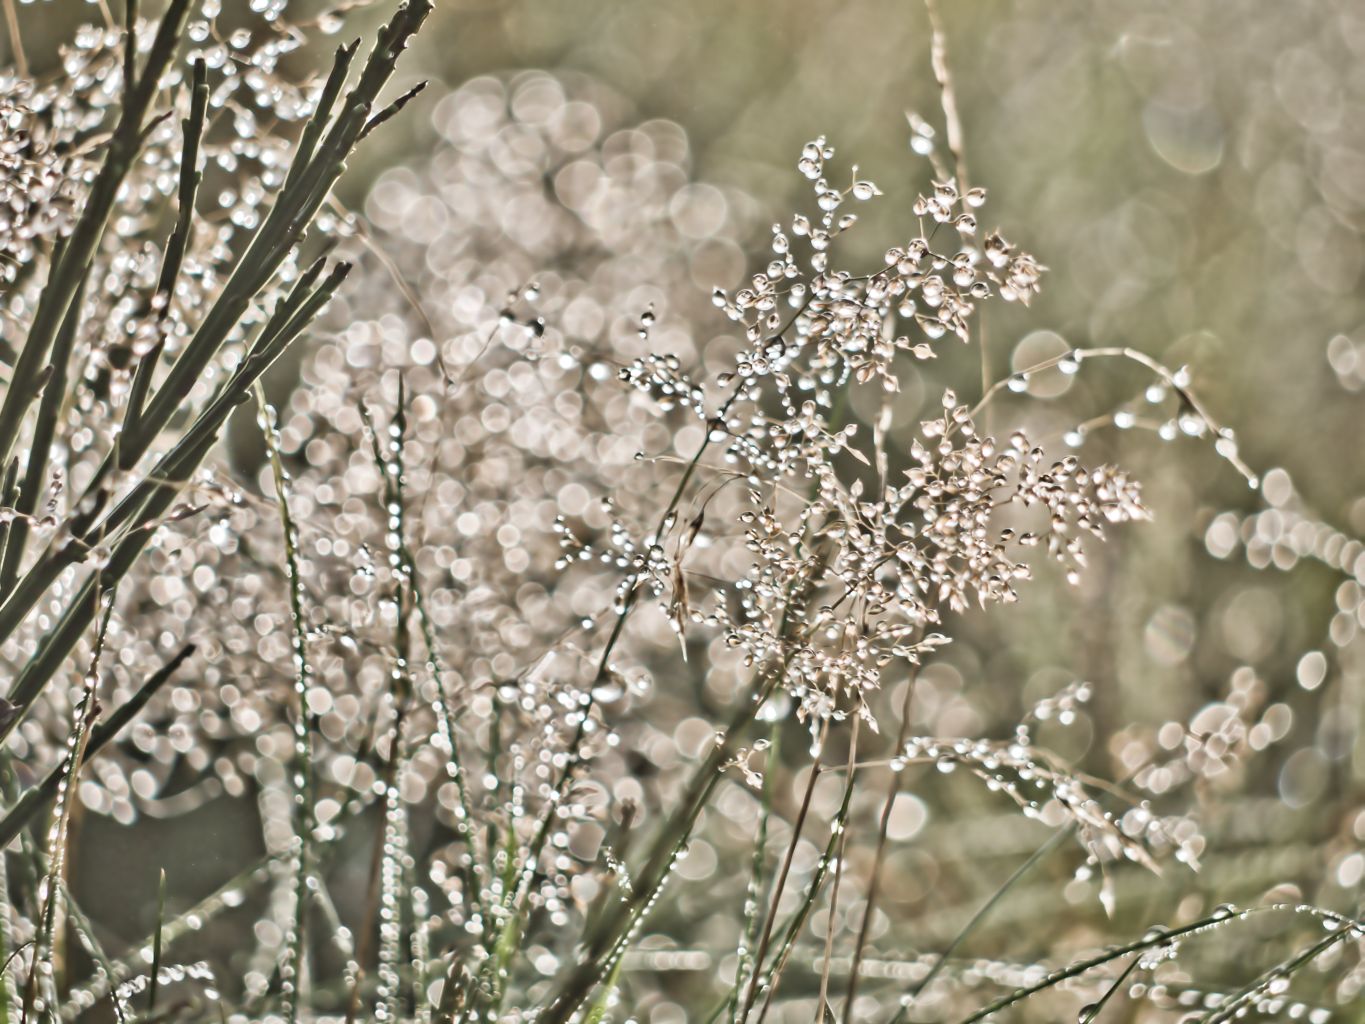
pixel 1053 842
pixel 1162 937
pixel 1170 378
pixel 1089 1013
pixel 1281 972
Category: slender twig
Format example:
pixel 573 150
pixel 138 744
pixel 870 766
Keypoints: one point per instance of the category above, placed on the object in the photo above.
pixel 16 42
pixel 771 918
pixel 938 58
pixel 841 830
pixel 154 974
pixel 1153 940
pixel 35 797
pixel 1164 373
pixel 879 858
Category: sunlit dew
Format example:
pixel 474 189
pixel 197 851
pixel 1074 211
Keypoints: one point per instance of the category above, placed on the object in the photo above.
pixel 529 536
pixel 533 447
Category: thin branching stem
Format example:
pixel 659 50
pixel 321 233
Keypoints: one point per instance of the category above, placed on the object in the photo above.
pixel 1168 376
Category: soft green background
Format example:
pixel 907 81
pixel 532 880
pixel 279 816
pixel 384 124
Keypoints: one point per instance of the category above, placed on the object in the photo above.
pixel 1193 174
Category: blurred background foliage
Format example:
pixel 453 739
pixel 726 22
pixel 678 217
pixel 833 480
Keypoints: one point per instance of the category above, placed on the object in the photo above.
pixel 1193 174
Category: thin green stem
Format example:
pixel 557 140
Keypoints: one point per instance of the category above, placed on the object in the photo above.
pixel 292 971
